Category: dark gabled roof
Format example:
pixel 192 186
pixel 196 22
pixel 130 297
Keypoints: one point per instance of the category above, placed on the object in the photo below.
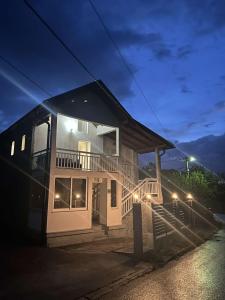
pixel 134 134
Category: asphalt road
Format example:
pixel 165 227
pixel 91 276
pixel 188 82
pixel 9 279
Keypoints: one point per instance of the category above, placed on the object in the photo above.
pixel 198 275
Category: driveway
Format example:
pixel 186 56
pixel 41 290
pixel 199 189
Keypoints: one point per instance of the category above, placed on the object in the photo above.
pixel 198 275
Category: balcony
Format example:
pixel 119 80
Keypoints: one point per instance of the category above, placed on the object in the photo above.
pixel 86 161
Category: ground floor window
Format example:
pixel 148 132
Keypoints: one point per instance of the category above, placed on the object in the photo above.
pixel 113 194
pixel 70 193
pixel 62 192
pixel 78 192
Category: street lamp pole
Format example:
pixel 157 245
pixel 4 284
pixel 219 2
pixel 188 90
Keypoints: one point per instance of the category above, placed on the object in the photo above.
pixel 189 159
pixel 187 166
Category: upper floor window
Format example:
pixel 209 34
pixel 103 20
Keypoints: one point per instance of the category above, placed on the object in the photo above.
pixel 23 143
pixel 12 148
pixel 82 126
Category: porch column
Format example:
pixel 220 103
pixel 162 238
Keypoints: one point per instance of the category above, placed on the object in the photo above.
pixel 50 164
pixel 117 142
pixel 53 142
pixel 158 173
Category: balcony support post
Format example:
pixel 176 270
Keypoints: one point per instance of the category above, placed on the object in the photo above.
pixel 158 174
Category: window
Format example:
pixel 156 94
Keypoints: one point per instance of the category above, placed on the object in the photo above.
pixel 12 148
pixel 113 193
pixel 23 144
pixel 62 193
pixel 78 192
pixel 70 193
pixel 82 126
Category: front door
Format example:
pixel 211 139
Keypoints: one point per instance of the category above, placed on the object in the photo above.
pixel 99 201
pixel 84 147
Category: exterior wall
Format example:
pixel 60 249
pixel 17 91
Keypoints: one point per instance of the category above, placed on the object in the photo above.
pixel 16 176
pixel 114 216
pixel 109 146
pixel 80 219
pixel 68 139
pixel 40 137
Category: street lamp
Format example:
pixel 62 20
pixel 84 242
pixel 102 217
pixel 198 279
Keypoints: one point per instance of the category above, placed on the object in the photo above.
pixel 189 159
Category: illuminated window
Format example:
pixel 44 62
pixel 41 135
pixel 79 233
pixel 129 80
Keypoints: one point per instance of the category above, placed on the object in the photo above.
pixel 78 192
pixel 70 193
pixel 113 194
pixel 62 193
pixel 82 126
pixel 23 144
pixel 12 148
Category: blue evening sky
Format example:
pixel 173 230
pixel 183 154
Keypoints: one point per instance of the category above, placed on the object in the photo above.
pixel 176 50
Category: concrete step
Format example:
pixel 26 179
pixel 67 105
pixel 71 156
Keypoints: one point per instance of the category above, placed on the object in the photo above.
pixel 58 239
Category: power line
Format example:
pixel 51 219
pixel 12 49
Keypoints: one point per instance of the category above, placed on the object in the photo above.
pixel 68 49
pixel 59 39
pixel 107 31
pixel 24 75
pixel 51 30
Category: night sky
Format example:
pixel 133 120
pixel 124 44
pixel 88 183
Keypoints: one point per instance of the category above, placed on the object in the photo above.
pixel 176 49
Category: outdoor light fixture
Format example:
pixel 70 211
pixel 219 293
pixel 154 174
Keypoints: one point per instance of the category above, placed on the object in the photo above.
pixel 189 196
pixel 135 196
pixel 71 125
pixel 192 158
pixel 174 196
pixel 57 196
pixel 78 196
pixel 148 196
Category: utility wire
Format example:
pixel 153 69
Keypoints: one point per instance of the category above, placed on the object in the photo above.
pixel 24 75
pixel 68 49
pixel 107 31
pixel 59 39
pixel 51 30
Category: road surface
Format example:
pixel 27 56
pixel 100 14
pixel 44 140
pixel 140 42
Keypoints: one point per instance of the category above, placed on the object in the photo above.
pixel 198 275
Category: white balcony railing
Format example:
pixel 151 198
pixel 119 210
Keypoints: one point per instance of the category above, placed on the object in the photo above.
pixel 86 161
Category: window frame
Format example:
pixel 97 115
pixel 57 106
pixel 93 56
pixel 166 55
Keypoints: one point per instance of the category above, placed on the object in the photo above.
pixel 70 208
pixel 12 149
pixel 116 185
pixel 82 126
pixel 23 142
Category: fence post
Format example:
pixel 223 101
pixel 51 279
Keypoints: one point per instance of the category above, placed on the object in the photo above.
pixel 137 230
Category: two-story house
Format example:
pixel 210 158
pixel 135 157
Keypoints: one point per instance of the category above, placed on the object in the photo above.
pixel 69 168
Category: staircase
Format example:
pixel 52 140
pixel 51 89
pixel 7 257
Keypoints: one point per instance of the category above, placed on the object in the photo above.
pixel 147 189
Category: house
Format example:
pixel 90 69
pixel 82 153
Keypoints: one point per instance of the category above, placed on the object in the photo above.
pixel 69 168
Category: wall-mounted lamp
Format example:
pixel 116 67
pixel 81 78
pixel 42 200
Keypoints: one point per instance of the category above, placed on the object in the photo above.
pixel 174 196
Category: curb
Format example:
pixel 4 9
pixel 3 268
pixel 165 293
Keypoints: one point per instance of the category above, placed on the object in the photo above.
pixel 126 278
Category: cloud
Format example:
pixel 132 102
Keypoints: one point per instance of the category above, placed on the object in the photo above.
pixel 3 122
pixel 220 105
pixel 192 124
pixel 182 78
pixel 209 124
pixel 185 89
pixel 208 16
pixel 184 51
pixel 154 41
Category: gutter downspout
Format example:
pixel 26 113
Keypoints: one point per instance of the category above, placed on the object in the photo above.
pixel 46 185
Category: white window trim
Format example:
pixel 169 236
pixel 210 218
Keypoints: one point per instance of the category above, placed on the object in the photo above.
pixel 13 144
pixel 23 142
pixel 71 209
pixel 114 207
